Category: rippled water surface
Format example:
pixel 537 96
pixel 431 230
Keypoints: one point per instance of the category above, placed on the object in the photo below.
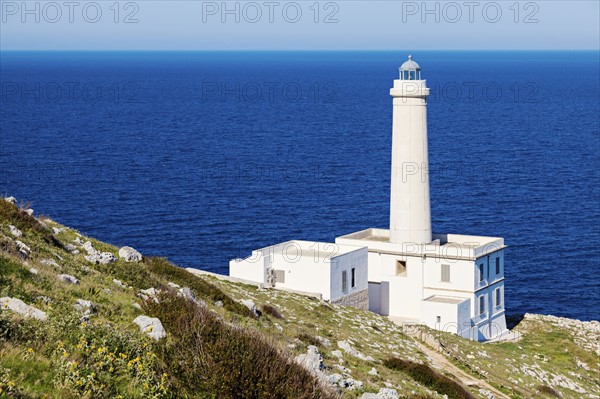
pixel 202 157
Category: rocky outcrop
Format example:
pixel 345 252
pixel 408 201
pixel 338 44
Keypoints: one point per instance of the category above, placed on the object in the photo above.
pixel 129 254
pixel 23 249
pixel 151 326
pixel 312 360
pixel 12 200
pixel 384 393
pixel 101 258
pixel 249 303
pixel 14 231
pixel 21 308
pixel 67 278
pixel 349 349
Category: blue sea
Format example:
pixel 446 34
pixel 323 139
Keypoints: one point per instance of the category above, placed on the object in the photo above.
pixel 203 156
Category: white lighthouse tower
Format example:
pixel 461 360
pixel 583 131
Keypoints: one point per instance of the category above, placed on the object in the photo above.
pixel 410 217
pixel 450 282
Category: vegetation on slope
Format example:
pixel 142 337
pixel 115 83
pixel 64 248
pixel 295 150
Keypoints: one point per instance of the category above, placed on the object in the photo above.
pixel 215 347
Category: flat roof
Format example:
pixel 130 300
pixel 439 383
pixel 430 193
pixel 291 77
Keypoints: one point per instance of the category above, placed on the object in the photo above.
pixel 443 245
pixel 314 249
pixel 445 299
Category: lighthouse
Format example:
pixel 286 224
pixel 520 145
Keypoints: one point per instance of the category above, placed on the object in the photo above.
pixel 410 215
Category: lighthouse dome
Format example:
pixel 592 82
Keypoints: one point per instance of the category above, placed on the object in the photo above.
pixel 410 65
pixel 410 70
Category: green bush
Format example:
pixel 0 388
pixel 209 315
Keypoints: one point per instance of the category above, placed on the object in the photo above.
pixel 224 361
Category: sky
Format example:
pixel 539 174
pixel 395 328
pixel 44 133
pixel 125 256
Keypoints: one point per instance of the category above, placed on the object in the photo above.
pixel 299 25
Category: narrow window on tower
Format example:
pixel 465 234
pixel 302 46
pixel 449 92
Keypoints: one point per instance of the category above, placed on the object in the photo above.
pixel 498 297
pixel 344 282
pixel 446 273
pixel 353 278
pixel 400 268
pixel 497 265
pixel 481 275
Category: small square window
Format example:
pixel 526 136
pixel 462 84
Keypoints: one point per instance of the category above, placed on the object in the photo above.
pixel 400 268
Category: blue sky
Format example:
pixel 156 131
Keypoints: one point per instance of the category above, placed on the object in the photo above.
pixel 299 25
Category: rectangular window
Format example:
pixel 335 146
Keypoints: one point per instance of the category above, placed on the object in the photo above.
pixel 439 319
pixel 400 268
pixel 353 278
pixel 482 304
pixel 497 265
pixel 481 272
pixel 498 297
pixel 446 273
pixel 344 282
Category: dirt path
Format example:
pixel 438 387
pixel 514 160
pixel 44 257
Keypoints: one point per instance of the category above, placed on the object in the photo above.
pixel 442 362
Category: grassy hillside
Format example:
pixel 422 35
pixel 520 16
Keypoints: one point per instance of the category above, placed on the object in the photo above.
pixel 215 346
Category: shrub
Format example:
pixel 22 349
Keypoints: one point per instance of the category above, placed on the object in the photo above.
pixel 226 361
pixel 26 223
pixel 272 311
pixel 548 391
pixel 309 339
pixel 425 375
pixel 201 287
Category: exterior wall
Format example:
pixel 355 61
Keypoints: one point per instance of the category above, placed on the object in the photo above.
pixel 252 268
pixel 359 261
pixel 461 277
pixel 303 273
pixel 403 294
pixel 410 217
pixel 358 299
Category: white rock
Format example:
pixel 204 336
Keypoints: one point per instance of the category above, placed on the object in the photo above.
pixel 150 293
pixel 71 248
pixel 151 326
pixel 24 250
pixel 66 278
pixel 58 230
pixel 345 345
pixel 334 379
pixel 29 211
pixel 373 371
pixel 170 284
pixel 33 270
pixel 186 293
pixel 78 241
pixel 20 307
pixel 14 231
pixel 119 283
pixel 136 305
pixel 88 247
pixel 82 304
pixel 384 393
pixel 50 262
pixel 311 360
pixel 102 258
pixel 129 254
pixel 278 327
pixel 12 200
pixel 337 354
pixel 251 306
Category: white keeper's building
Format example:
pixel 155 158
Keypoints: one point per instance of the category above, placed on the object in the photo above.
pixel 450 282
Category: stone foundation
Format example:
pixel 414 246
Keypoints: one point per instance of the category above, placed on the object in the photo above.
pixel 359 300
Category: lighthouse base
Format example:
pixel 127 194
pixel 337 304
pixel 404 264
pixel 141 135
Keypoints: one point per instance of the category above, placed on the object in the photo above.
pixel 454 283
